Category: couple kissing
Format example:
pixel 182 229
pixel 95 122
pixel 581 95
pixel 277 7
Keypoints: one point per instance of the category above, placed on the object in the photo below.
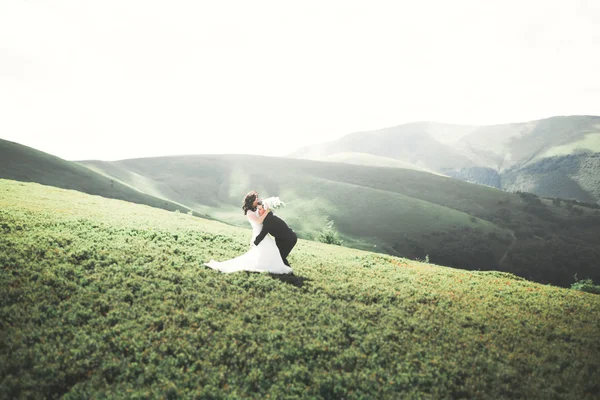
pixel 271 243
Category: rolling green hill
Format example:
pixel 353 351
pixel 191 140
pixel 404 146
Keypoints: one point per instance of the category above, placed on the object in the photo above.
pixel 396 211
pixel 372 160
pixel 419 143
pixel 26 164
pixel 572 176
pixel 388 208
pixel 101 298
pixel 503 156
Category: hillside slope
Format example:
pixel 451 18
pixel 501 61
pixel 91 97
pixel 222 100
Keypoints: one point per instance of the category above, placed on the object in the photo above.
pixel 392 210
pixel 371 160
pixel 22 163
pixel 103 298
pixel 389 208
pixel 415 143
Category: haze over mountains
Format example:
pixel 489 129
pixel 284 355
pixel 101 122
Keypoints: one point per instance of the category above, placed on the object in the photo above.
pixel 553 157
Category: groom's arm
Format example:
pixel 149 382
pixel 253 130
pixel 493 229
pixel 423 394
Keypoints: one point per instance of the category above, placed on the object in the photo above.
pixel 264 231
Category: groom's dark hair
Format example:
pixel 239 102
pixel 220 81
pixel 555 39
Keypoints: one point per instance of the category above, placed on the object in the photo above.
pixel 249 201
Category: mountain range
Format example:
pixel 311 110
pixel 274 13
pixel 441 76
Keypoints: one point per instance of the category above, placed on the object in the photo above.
pixel 553 157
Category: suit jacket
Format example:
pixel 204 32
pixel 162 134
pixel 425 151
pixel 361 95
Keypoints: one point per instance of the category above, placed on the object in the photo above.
pixel 277 228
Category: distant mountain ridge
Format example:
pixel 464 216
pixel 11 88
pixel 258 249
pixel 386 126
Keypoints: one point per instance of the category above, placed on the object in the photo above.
pixel 554 157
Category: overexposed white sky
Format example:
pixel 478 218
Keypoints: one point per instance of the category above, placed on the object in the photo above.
pixel 116 79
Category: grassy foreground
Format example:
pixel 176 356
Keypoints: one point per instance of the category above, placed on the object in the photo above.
pixel 103 298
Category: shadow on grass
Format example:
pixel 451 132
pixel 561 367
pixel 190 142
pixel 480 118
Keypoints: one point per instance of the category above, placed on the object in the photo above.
pixel 293 280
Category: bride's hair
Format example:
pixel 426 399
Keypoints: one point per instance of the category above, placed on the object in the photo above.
pixel 249 201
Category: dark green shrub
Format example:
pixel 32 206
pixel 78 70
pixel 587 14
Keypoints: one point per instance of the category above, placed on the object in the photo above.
pixel 585 285
pixel 329 235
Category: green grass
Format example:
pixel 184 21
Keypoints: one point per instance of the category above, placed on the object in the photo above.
pixel 102 298
pixel 590 142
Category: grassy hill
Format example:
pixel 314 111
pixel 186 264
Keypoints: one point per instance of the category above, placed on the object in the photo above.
pixel 372 160
pixel 498 155
pixel 396 211
pixel 387 209
pixel 516 145
pixel 104 298
pixel 22 163
pixel 415 143
pixel 571 176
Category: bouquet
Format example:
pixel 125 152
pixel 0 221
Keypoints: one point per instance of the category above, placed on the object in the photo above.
pixel 272 203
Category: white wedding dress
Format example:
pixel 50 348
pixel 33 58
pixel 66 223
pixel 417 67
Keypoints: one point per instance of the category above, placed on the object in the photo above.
pixel 262 258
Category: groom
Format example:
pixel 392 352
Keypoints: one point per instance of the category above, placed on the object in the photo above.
pixel 285 237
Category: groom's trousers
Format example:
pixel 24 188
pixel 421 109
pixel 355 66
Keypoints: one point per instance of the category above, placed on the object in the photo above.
pixel 285 246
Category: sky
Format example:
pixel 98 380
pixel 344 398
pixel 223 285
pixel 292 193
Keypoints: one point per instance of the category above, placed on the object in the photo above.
pixel 116 79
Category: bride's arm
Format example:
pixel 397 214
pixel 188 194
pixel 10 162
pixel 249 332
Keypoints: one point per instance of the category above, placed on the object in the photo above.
pixel 262 234
pixel 258 220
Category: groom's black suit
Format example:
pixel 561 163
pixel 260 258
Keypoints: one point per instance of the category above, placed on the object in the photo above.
pixel 285 237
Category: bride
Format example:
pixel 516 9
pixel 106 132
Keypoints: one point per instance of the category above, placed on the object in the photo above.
pixel 262 258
